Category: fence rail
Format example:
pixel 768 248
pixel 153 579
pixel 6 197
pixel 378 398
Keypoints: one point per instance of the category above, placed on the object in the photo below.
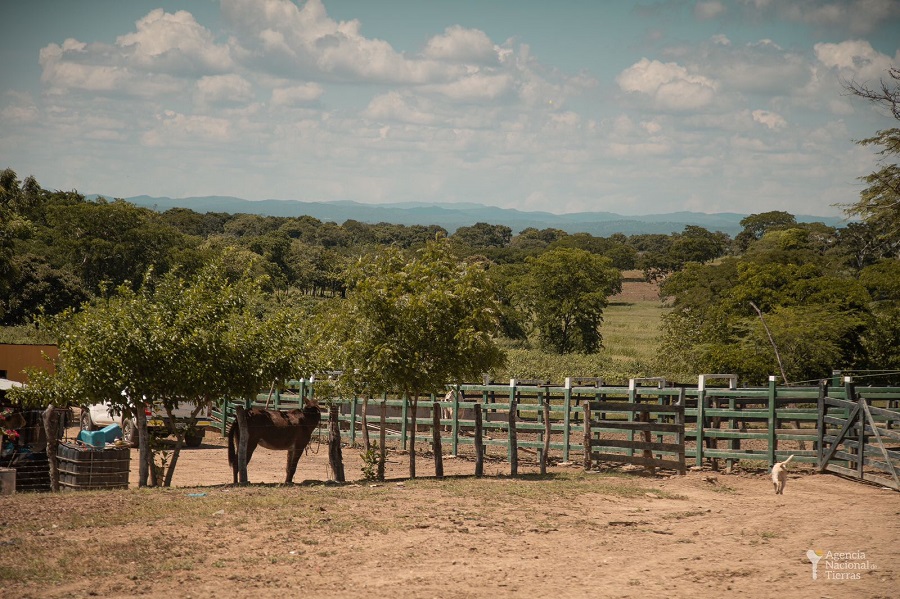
pixel 716 420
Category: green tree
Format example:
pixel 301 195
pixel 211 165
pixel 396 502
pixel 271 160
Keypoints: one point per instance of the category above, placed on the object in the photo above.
pixel 413 324
pixel 879 203
pixel 174 342
pixel 483 235
pixel 757 225
pixel 566 290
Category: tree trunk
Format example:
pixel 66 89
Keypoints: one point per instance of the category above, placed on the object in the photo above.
pixel 365 423
pixel 382 438
pixel 335 458
pixel 436 437
pixel 51 433
pixel 144 456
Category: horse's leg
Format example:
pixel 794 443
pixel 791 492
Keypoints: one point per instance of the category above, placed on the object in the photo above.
pixel 293 456
pixel 251 447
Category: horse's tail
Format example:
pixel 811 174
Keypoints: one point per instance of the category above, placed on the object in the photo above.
pixel 232 434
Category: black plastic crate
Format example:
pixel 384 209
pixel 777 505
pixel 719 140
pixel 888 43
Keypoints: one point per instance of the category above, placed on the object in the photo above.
pixel 87 468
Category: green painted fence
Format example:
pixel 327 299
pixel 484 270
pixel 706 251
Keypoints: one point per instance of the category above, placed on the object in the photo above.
pixel 722 422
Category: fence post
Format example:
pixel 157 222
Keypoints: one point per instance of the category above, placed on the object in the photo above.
pixel 455 426
pixel 861 423
pixel 479 449
pixel 587 435
pixel 539 419
pixel 567 419
pixel 513 452
pixel 353 403
pixel 547 432
pixel 632 398
pixel 701 418
pixel 773 423
pixel 382 438
pixel 679 436
pixel 820 425
pixel 436 438
pixel 404 408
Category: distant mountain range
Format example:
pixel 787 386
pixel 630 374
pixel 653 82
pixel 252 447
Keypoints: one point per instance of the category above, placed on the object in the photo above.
pixel 453 216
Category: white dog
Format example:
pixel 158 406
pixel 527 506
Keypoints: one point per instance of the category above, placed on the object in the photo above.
pixel 779 475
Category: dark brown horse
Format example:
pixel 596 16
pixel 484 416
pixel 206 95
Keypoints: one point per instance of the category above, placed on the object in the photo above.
pixel 285 430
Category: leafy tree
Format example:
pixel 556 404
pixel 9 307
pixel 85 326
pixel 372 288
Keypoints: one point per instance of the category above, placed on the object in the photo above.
pixel 566 290
pixel 483 235
pixel 174 342
pixel 879 203
pixel 816 319
pixel 413 324
pixel 757 225
pixel 38 288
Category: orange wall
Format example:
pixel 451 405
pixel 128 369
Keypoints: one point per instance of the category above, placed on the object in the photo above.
pixel 14 359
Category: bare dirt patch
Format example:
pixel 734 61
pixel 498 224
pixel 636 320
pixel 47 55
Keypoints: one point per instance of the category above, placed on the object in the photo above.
pixel 569 534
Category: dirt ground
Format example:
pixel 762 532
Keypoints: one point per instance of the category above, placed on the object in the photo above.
pixel 703 534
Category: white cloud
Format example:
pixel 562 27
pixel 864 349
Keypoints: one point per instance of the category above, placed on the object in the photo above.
pixel 174 42
pixel 855 59
pixel 308 42
pixel 459 44
pixel 669 85
pixel 297 94
pixel 223 89
pixel 176 129
pixel 769 119
pixel 473 88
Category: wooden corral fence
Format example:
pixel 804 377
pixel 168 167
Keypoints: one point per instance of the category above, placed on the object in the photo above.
pixel 856 438
pixel 640 423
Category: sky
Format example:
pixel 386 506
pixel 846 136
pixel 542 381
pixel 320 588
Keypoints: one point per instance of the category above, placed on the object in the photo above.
pixel 635 108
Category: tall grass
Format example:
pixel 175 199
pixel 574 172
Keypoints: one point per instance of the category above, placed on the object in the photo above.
pixel 631 336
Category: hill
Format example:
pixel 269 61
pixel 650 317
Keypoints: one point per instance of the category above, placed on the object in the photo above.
pixel 453 216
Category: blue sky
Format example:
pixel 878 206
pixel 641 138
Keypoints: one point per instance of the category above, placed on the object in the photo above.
pixel 576 105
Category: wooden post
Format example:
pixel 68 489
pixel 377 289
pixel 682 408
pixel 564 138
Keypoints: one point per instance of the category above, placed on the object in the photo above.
pixel 513 439
pixel 820 425
pixel 547 430
pixel 382 457
pixel 240 415
pixel 701 419
pixel 436 437
pixel 479 447
pixel 587 436
pixel 679 436
pixel 353 401
pixel 335 458
pixel 772 421
pixel 365 423
pixel 647 437
pixel 567 418
pixel 413 410
pixel 455 439
pixel 50 421
pixel 404 410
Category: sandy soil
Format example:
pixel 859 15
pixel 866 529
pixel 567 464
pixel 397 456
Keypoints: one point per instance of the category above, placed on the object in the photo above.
pixel 707 534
